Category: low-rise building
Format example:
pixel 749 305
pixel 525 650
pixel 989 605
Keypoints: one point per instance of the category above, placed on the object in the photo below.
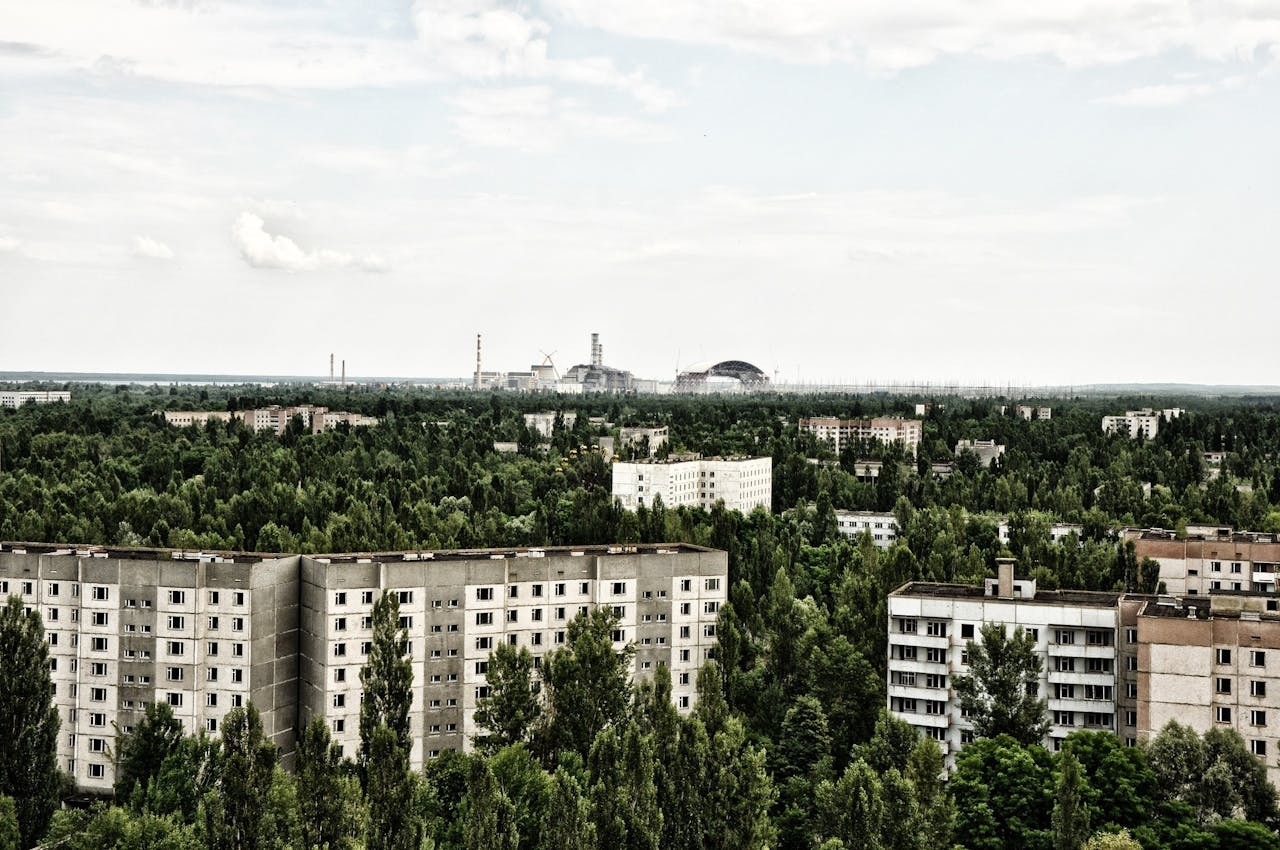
pixel 1144 423
pixel 17 398
pixel 1080 636
pixel 544 422
pixel 840 432
pixel 986 450
pixel 1058 531
pixel 274 418
pixel 184 418
pixel 883 527
pixel 742 483
pixel 1029 412
pixel 656 435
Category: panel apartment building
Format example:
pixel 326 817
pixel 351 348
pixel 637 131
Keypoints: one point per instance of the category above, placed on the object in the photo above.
pixel 839 432
pixel 1207 560
pixel 1089 653
pixel 1144 423
pixel 207 632
pixel 742 483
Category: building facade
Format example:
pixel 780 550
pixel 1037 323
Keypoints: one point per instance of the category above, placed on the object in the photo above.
pixel 208 632
pixel 1144 423
pixel 883 527
pixel 1080 637
pixel 1029 412
pixel 987 451
pixel 274 418
pixel 742 483
pixel 839 432
pixel 544 422
pixel 17 398
pixel 657 435
pixel 1209 560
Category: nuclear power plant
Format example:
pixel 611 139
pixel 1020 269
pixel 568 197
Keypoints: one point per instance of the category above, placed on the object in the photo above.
pixel 592 377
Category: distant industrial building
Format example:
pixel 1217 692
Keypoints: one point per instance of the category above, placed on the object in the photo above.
pixel 840 432
pixel 17 398
pixel 1144 423
pixel 987 451
pixel 656 435
pixel 883 527
pixel 699 379
pixel 742 483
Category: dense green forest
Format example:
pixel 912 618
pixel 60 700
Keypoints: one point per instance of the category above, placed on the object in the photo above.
pixel 789 746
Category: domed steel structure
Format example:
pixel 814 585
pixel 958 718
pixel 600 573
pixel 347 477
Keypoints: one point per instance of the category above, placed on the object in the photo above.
pixel 750 377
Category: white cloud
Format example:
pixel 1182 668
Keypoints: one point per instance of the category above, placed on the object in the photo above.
pixel 891 35
pixel 533 119
pixel 262 250
pixel 146 247
pixel 1171 94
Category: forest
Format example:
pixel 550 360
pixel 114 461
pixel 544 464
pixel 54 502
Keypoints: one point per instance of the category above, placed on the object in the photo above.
pixel 788 747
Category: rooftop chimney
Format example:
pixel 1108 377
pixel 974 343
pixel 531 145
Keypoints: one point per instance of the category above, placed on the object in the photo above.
pixel 1004 578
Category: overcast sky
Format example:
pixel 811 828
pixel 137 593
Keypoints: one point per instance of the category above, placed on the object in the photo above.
pixel 1058 192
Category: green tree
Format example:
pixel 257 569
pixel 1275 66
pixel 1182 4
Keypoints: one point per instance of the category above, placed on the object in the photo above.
pixel 117 828
pixel 330 808
pixel 28 721
pixel 588 683
pixel 1004 795
pixel 186 775
pixel 386 679
pixel 623 797
pixel 142 752
pixel 395 819
pixel 1112 841
pixel 852 809
pixel 569 819
pixel 522 779
pixel 234 812
pixel 10 835
pixel 806 744
pixel 510 711
pixel 1001 692
pixel 491 817
pixel 1070 814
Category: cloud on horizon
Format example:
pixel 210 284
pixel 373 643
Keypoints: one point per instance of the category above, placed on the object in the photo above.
pixel 263 250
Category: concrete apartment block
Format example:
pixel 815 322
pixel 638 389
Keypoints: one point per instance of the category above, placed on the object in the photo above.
pixel 458 606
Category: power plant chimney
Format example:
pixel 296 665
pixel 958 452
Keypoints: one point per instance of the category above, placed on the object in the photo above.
pixel 597 351
pixel 477 380
pixel 331 367
pixel 344 372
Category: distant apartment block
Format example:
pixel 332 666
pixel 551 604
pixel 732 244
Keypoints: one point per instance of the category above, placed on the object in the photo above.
pixel 1058 531
pixel 17 398
pixel 1029 412
pixel 883 527
pixel 274 418
pixel 208 632
pixel 840 432
pixel 1088 674
pixel 1210 560
pixel 543 423
pixel 658 436
pixel 987 451
pixel 742 483
pixel 1144 423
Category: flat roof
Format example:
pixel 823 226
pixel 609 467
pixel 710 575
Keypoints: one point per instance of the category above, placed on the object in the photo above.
pixel 151 554
pixel 936 590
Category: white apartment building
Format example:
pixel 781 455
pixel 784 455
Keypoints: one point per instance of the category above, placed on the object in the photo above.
pixel 1058 531
pixel 742 483
pixel 458 606
pixel 1211 559
pixel 208 632
pixel 1143 423
pixel 184 418
pixel 657 435
pixel 17 398
pixel 274 418
pixel 839 432
pixel 1089 662
pixel 986 450
pixel 883 527
pixel 1029 412
pixel 544 422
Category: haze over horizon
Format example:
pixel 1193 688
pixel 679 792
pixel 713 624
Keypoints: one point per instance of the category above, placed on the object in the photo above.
pixel 1067 194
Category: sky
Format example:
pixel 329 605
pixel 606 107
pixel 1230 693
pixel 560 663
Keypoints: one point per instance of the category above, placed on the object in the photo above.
pixel 883 190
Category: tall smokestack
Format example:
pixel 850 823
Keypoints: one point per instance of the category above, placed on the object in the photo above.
pixel 331 367
pixel 597 351
pixel 344 372
pixel 477 381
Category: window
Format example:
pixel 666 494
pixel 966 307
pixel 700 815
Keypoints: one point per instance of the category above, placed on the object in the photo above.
pixel 1257 747
pixel 339 726
pixel 99 593
pixel 935 655
pixel 340 598
pixel 619 588
pixel 1257 658
pixel 366 597
pixel 175 647
pixel 99 644
pixel 686 585
pixel 211 674
pixel 97 745
pixel 237 624
pixel 484 643
pixel 907 627
pixel 211 700
pixel 1098 637
pixel 1097 692
pixel 1222 685
pixel 406 622
pixel 96 719
pixel 1098 719
pixel 173 674
pixel 1257 688
pixel 406 597
pixel 177 597
pixel 1222 714
pixel 339 624
pixel 482 668
pixel 237 676
pixel 484 618
pixel 96 771
pixel 935 680
pixel 366 622
pixel 1131 635
pixel 211 648
pixel 1100 665
pixel 340 674
pixel 97 668
pixel 174 698
pixel 101 618
pixel 339 649
pixel 1064 664
pixel 536 615
pixel 52 616
pixel 513 591
pixel 176 623
pixel 213 623
pixel 339 700
pixel 1061 691
pixel 1064 718
pixel 98 694
pixel 484 594
pixel 213 597
pixel 211 725
pixel 53 588
pixel 1257 717
pixel 513 615
pixel 935 628
pixel 237 700
pixel 1131 690
pixel 366 647
pixel 537 591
